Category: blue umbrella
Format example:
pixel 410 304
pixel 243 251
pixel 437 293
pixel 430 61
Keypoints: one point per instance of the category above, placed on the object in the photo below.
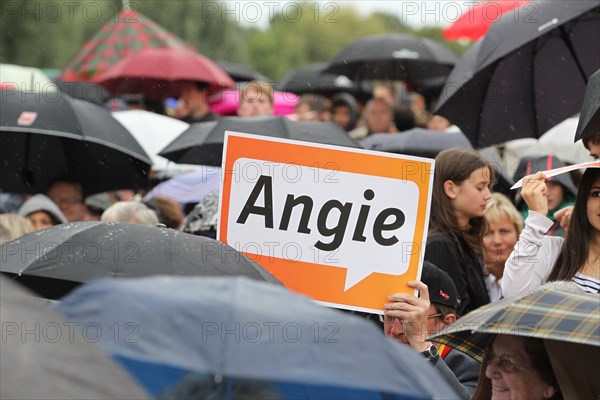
pixel 172 330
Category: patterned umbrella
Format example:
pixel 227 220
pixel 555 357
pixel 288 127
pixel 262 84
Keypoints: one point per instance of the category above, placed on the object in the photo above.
pixel 115 41
pixel 544 314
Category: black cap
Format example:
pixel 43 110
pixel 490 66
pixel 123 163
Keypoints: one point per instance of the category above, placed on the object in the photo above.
pixel 441 287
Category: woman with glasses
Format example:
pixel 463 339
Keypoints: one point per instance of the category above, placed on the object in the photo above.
pixel 517 367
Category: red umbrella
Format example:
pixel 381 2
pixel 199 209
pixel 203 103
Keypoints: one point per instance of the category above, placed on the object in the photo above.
pixel 117 40
pixel 475 23
pixel 158 73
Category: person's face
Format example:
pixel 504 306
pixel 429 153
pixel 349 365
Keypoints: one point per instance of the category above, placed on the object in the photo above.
pixel 40 220
pixel 438 123
pixel 385 93
pixel 393 328
pixel 191 96
pixel 500 240
pixel 379 118
pixel 470 197
pixel 516 379
pixel 304 112
pixel 255 103
pixel 555 194
pixel 341 116
pixel 69 199
pixel 593 206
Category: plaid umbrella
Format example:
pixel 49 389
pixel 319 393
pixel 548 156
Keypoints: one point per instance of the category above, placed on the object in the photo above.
pixel 115 41
pixel 544 314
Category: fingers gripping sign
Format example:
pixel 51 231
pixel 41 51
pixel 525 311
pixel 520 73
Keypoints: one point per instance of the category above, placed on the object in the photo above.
pixel 534 193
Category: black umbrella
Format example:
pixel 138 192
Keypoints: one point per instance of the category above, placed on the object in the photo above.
pixel 87 91
pixel 46 357
pixel 393 57
pixel 43 137
pixel 203 143
pixel 527 74
pixel 54 261
pixel 312 79
pixel 241 73
pixel 416 142
pixel 589 119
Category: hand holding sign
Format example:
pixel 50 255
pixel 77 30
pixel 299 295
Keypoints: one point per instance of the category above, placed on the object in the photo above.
pixel 343 226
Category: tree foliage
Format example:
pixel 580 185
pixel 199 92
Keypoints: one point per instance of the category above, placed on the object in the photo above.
pixel 48 34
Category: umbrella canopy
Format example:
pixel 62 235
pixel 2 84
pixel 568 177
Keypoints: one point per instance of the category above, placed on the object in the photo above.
pixel 393 57
pixel 189 188
pixel 44 137
pixel 544 314
pixel 416 142
pixel 182 324
pixel 312 79
pixel 557 141
pixel 589 121
pixel 153 132
pixel 45 357
pixel 79 252
pixel 115 41
pixel 241 73
pixel 25 78
pixel 203 143
pixel 506 86
pixel 475 23
pixel 157 73
pixel 87 91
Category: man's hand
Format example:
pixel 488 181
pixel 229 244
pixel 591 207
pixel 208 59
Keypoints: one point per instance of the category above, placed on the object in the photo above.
pixel 412 312
pixel 534 193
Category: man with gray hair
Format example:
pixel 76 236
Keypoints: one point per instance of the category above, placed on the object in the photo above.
pixel 135 212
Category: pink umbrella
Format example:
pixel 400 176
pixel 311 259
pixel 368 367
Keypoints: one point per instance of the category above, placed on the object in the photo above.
pixel 228 101
pixel 475 23
pixel 158 72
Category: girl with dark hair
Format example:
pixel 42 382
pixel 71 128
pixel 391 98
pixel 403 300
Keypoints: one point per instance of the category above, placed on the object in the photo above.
pixel 538 258
pixel 461 190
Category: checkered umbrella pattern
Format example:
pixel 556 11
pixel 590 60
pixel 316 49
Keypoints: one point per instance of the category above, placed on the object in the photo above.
pixel 115 41
pixel 543 314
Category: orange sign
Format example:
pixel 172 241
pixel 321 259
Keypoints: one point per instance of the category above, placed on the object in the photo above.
pixel 345 226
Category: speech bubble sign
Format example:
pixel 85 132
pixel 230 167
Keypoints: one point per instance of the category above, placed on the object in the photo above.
pixel 344 226
pixel 372 195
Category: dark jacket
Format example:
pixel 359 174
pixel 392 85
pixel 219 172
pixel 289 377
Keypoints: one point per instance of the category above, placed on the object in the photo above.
pixel 460 371
pixel 464 269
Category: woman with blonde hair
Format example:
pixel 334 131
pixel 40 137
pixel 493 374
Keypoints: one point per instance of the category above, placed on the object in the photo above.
pixel 504 225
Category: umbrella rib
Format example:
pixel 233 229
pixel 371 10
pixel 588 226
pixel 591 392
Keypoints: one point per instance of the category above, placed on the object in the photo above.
pixel 569 44
pixel 532 80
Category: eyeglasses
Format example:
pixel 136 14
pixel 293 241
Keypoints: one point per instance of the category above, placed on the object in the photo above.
pixel 390 320
pixel 503 362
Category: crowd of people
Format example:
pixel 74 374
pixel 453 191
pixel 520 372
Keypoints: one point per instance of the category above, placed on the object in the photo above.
pixel 482 246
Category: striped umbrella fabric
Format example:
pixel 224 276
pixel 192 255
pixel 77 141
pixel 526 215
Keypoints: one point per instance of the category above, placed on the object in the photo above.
pixel 115 41
pixel 543 314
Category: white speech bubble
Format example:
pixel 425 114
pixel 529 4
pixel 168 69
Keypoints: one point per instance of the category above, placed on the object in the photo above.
pixel 360 258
